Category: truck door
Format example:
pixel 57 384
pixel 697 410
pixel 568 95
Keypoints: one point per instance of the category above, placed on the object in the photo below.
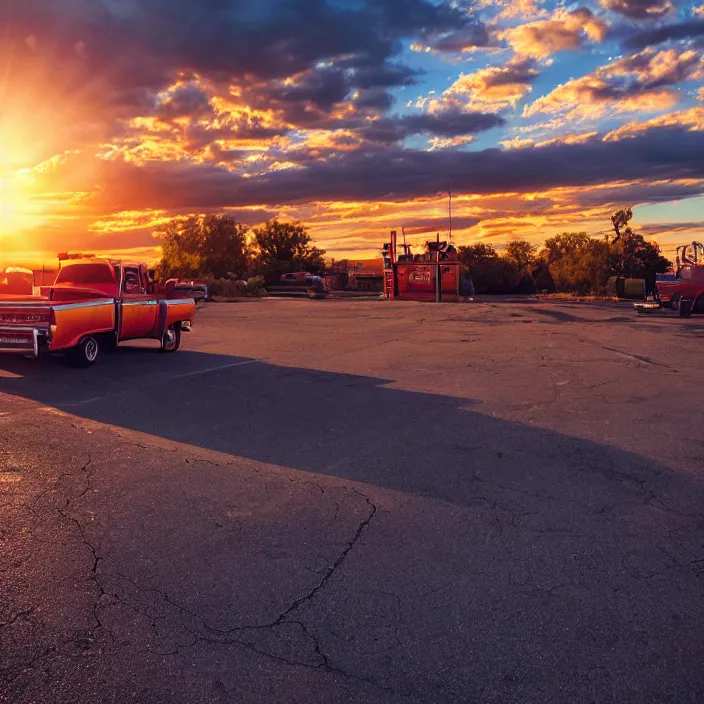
pixel 139 308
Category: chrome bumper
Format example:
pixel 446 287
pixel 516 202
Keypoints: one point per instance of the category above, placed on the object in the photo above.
pixel 23 340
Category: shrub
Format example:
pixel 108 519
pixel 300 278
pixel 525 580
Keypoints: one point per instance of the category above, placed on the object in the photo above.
pixel 256 286
pixel 232 287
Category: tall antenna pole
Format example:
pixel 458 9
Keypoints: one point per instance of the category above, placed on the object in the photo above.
pixel 449 208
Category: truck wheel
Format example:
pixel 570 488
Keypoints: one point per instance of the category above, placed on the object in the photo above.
pixel 171 339
pixel 684 307
pixel 85 353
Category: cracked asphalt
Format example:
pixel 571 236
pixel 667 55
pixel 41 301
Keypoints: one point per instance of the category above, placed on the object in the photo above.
pixel 360 501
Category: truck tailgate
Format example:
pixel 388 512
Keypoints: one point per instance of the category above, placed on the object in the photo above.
pixel 24 324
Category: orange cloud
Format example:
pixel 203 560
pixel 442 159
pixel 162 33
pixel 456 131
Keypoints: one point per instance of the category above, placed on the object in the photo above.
pixel 449 142
pixel 651 67
pixel 692 119
pixel 517 143
pixel 130 220
pixel 348 229
pixel 636 83
pixel 495 87
pixel 565 30
pixel 524 9
pixel 525 142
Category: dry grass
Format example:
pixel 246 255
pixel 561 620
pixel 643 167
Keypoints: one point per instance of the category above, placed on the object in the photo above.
pixel 575 298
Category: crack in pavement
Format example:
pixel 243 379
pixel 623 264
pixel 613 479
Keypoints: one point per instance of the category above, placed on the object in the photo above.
pixel 63 511
pixel 198 628
pixel 332 568
pixel 202 632
pixel 18 615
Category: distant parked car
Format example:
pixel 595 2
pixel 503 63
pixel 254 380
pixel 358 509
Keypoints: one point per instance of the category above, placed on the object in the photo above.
pixel 193 289
pixel 295 276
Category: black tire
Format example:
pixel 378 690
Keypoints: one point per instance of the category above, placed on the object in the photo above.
pixel 171 339
pixel 85 353
pixel 684 307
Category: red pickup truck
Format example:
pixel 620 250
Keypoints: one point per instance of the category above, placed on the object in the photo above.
pixel 94 304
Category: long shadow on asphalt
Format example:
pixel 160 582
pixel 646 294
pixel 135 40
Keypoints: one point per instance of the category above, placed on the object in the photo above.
pixel 352 427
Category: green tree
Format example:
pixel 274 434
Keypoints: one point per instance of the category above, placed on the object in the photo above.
pixel 596 265
pixel 180 249
pixel 560 246
pixel 472 255
pixel 631 256
pixel 577 262
pixel 223 246
pixel 286 246
pixel 205 245
pixel 489 272
pixel 620 220
pixel 520 253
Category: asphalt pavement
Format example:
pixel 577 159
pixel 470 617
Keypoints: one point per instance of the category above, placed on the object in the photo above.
pixel 360 501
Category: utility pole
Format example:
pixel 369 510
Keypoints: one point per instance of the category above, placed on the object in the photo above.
pixel 449 208
pixel 438 271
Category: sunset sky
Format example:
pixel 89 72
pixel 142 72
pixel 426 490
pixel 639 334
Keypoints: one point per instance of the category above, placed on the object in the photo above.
pixel 352 115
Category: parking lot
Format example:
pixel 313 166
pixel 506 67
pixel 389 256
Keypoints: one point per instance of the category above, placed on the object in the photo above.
pixel 360 501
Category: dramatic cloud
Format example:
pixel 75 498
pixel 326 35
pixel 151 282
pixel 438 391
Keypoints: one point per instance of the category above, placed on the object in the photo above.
pixel 526 142
pixel 384 76
pixel 524 9
pixel 184 101
pixel 495 87
pixel 691 120
pixel 565 30
pixel 689 29
pixel 633 83
pixel 448 123
pixel 419 226
pixel 640 9
pixel 396 173
pixel 123 58
pixel 469 37
pixel 322 88
pixel 351 114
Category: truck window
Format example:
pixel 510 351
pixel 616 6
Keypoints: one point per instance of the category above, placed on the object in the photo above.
pixel 132 283
pixel 85 274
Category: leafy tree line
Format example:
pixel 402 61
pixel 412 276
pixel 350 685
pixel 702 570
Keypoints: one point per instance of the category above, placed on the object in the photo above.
pixel 571 262
pixel 217 247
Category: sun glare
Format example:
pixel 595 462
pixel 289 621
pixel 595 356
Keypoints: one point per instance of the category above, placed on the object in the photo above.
pixel 15 207
pixel 19 212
